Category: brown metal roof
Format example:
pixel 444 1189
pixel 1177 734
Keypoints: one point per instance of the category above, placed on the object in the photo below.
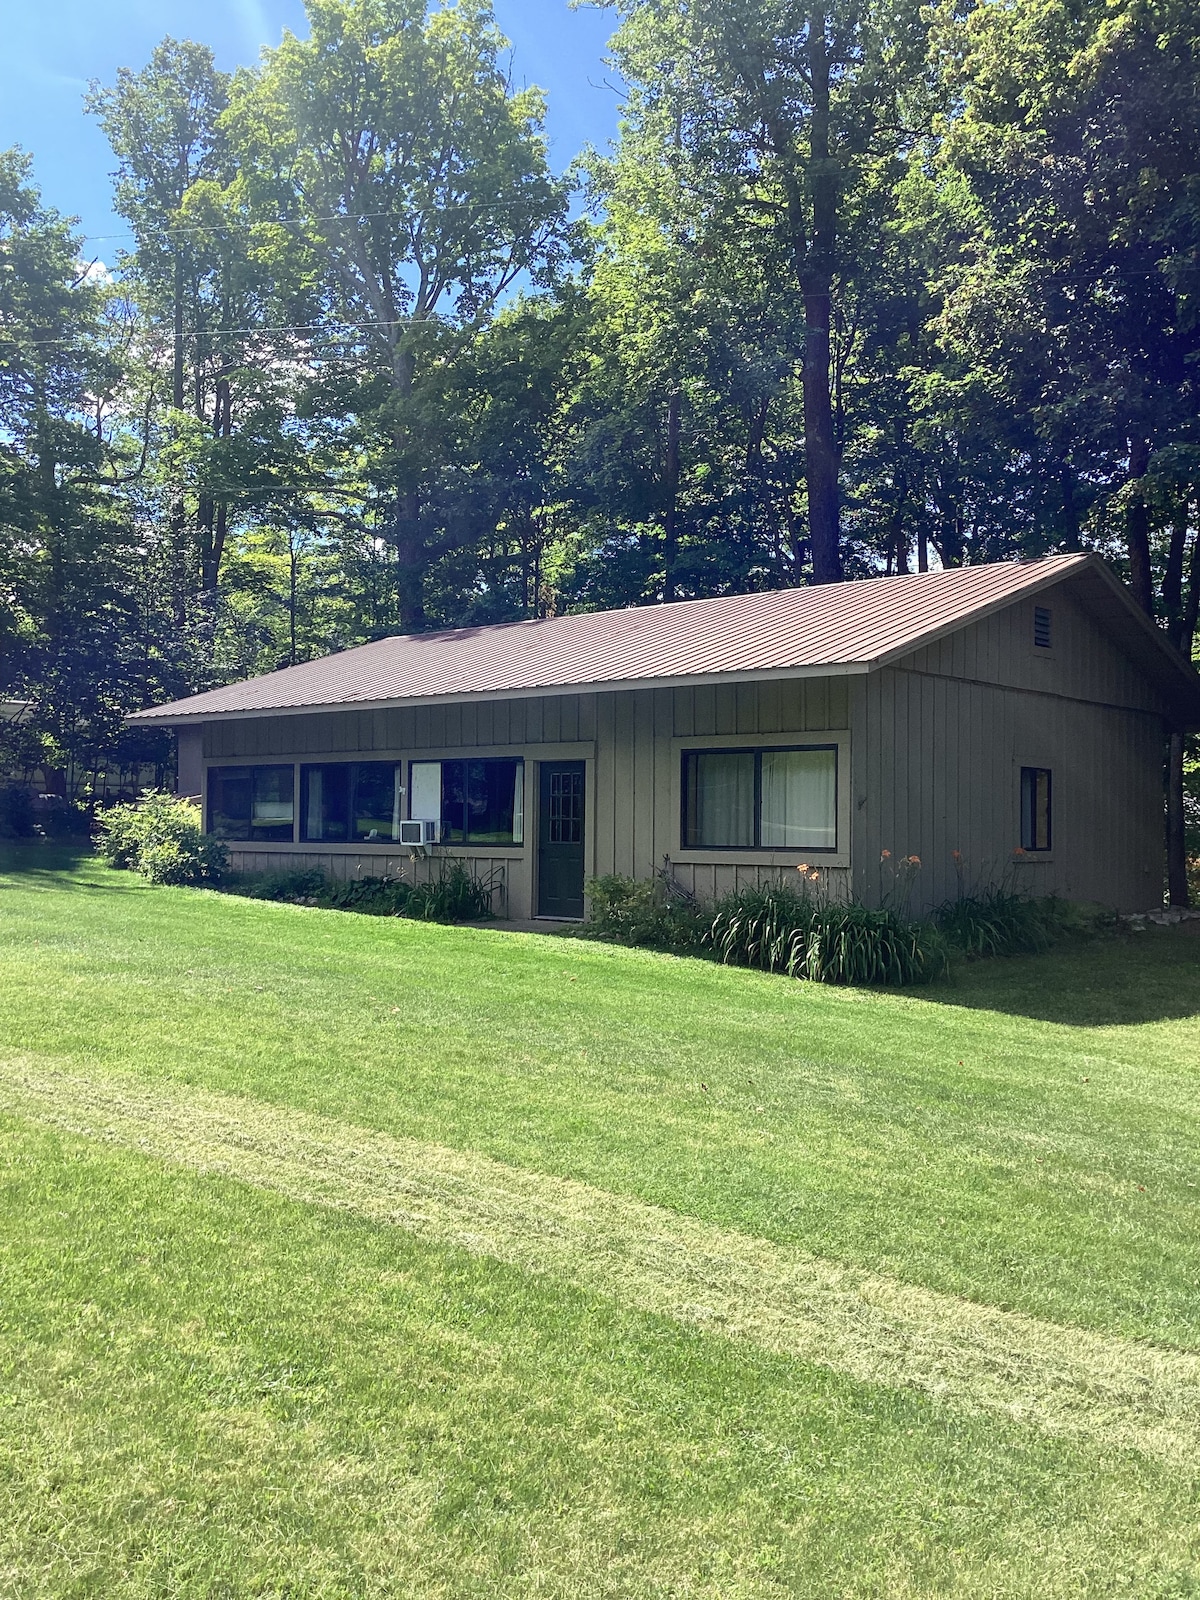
pixel 833 628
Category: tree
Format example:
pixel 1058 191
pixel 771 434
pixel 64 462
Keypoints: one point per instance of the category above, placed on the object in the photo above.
pixel 1072 153
pixel 78 641
pixel 421 182
pixel 787 104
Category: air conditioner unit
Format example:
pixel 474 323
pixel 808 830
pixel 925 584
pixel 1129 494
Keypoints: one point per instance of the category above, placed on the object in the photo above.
pixel 420 831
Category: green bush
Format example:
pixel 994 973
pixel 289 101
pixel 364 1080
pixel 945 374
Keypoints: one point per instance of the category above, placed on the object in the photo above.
pixel 998 922
pixel 452 896
pixel 777 928
pixel 782 929
pixel 16 812
pixel 161 837
pixel 643 912
pixel 302 885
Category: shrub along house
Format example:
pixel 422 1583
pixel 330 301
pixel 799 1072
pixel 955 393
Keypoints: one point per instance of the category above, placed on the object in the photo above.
pixel 1014 714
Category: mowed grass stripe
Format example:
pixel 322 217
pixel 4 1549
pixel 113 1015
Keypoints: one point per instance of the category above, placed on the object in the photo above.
pixel 1065 1380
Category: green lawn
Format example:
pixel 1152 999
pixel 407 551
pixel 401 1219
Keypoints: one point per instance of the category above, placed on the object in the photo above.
pixel 210 1387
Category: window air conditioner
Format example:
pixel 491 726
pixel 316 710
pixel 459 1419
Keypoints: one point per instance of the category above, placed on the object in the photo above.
pixel 420 831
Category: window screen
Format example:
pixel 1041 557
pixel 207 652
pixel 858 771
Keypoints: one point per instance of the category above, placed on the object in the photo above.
pixel 1035 808
pixel 477 802
pixel 251 803
pixel 357 802
pixel 760 799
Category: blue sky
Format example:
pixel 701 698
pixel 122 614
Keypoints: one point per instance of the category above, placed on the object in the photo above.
pixel 53 47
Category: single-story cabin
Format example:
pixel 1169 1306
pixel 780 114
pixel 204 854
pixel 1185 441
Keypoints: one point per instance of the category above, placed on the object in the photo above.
pixel 993 721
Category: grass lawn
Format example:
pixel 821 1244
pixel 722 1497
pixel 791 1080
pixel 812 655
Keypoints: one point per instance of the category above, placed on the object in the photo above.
pixel 214 1383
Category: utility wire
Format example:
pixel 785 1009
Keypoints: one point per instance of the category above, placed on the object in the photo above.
pixel 226 333
pixel 285 222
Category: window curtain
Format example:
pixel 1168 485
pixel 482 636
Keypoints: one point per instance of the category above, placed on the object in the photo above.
pixel 518 828
pixel 722 799
pixel 425 801
pixel 799 799
pixel 314 823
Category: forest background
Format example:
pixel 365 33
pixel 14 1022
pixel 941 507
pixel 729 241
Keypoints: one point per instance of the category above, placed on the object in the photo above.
pixel 860 288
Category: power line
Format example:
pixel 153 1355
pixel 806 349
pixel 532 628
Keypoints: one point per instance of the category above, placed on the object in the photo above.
pixel 227 333
pixel 260 222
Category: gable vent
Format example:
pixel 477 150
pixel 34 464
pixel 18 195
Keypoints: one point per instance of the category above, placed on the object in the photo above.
pixel 1041 627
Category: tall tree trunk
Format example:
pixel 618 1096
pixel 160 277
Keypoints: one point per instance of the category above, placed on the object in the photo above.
pixel 411 562
pixel 820 442
pixel 1172 584
pixel 216 522
pixel 1137 529
pixel 671 496
pixel 1183 601
pixel 1177 878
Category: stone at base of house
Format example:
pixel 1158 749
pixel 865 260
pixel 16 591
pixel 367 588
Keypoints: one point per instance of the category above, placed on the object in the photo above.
pixel 1167 917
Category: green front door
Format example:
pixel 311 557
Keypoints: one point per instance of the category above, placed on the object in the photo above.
pixel 560 840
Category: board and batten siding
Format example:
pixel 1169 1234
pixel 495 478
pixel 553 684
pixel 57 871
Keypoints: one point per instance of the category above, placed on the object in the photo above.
pixel 628 739
pixel 940 738
pixel 935 747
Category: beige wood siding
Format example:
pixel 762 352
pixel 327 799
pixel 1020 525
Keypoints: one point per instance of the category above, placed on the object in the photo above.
pixel 1082 663
pixel 633 769
pixel 937 768
pixel 935 746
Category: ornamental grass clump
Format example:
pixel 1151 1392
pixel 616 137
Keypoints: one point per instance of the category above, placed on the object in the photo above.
pixel 161 837
pixel 996 922
pixel 780 928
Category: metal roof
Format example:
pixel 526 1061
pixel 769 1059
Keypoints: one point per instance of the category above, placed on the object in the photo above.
pixel 819 630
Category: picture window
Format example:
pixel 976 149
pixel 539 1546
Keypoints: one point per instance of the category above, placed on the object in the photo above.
pixel 767 799
pixel 253 803
pixel 476 802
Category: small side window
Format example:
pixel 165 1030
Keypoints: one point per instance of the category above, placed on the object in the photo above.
pixel 1043 636
pixel 1035 808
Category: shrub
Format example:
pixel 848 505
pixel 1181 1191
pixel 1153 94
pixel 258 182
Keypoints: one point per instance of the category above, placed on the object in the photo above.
pixel 304 884
pixel 161 837
pixel 452 896
pixel 783 929
pixel 58 818
pixel 16 813
pixel 999 922
pixel 643 912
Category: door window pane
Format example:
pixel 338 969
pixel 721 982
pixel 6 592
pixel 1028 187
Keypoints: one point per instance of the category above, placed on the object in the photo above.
pixel 251 802
pixel 799 799
pixel 566 807
pixel 719 791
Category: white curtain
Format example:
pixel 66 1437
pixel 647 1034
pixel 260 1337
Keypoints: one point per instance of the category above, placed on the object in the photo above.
pixel 425 801
pixel 723 799
pixel 315 826
pixel 799 799
pixel 397 800
pixel 518 827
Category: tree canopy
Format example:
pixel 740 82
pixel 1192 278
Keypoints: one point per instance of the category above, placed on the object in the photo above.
pixel 859 288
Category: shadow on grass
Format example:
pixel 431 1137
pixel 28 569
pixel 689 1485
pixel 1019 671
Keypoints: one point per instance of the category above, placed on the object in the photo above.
pixel 1105 983
pixel 58 864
